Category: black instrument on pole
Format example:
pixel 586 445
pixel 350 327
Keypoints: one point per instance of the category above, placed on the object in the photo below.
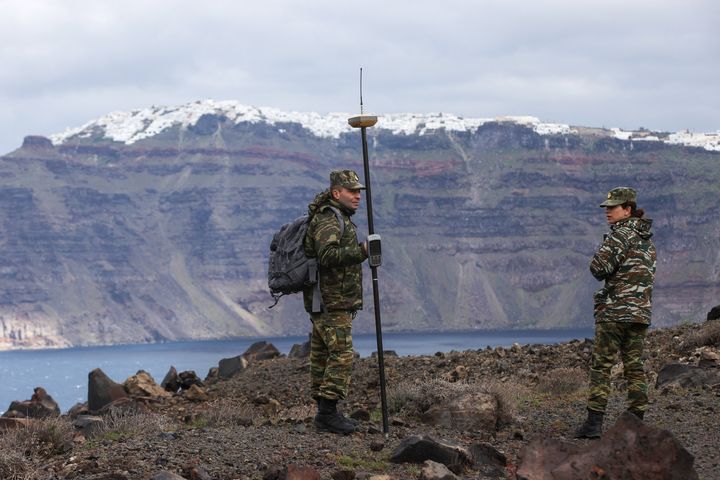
pixel 362 122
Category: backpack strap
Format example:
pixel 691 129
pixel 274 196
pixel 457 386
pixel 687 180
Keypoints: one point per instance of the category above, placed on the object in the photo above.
pixel 340 220
pixel 314 271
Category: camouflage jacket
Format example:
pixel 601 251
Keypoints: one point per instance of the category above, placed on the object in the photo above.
pixel 626 262
pixel 339 259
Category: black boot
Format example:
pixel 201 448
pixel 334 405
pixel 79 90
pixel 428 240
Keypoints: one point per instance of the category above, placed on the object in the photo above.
pixel 354 422
pixel 592 428
pixel 328 418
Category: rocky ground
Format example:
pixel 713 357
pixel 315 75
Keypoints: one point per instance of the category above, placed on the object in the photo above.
pixel 259 421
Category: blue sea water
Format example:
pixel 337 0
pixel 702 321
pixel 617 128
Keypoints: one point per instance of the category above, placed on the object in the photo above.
pixel 64 372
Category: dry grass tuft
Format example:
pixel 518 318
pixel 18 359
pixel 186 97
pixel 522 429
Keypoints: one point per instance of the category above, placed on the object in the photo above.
pixel 14 466
pixel 42 438
pixel 707 335
pixel 415 397
pixel 224 413
pixel 507 395
pixel 131 423
pixel 563 381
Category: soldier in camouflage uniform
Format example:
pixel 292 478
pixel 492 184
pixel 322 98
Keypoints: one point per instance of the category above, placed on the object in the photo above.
pixel 339 257
pixel 626 263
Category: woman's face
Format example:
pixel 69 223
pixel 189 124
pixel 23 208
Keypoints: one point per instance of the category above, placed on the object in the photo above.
pixel 617 213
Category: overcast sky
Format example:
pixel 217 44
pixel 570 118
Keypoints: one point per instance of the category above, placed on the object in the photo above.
pixel 628 64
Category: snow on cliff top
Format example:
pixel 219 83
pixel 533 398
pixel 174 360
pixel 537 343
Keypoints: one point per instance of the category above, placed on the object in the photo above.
pixel 130 127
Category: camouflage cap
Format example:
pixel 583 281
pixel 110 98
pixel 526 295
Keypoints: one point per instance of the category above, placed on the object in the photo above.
pixel 619 195
pixel 347 179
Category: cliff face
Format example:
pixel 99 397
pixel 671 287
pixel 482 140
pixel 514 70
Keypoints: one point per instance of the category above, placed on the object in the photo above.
pixel 166 238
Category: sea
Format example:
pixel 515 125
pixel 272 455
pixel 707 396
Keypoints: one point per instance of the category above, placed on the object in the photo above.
pixel 63 373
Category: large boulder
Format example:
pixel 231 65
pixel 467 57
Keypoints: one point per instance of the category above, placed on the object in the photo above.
pixel 40 405
pixel 142 384
pixel 631 450
pixel 473 411
pixel 102 390
pixel 227 367
pixel 261 351
pixel 687 376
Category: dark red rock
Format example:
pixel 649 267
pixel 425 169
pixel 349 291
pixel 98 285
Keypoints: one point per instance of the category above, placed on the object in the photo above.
pixel 631 450
pixel 294 472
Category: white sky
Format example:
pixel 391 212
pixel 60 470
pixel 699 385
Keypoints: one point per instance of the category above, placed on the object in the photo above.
pixel 612 63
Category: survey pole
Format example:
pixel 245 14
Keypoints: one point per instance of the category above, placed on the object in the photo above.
pixel 363 122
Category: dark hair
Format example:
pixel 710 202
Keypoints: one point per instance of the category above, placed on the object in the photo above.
pixel 634 211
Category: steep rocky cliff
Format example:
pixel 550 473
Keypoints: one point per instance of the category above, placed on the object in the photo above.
pixel 154 226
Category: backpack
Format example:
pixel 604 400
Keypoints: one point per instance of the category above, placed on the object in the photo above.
pixel 289 270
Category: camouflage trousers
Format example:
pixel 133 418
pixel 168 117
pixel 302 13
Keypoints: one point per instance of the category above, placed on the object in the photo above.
pixel 331 354
pixel 628 339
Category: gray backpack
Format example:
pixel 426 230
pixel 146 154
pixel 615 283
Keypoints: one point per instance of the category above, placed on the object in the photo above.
pixel 289 270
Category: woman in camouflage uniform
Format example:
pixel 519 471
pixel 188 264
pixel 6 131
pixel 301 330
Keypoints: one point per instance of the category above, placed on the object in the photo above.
pixel 626 263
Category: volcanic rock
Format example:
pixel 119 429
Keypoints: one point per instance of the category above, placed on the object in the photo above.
pixel 687 376
pixel 261 351
pixel 189 378
pixel 227 367
pixel 300 350
pixel 630 450
pixel 171 381
pixel 142 384
pixel 474 411
pixel 40 405
pixel 102 390
pixel 417 449
pixel 436 471
pixel 489 460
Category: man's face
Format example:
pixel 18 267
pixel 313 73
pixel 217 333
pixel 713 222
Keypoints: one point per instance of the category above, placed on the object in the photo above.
pixel 349 199
pixel 616 213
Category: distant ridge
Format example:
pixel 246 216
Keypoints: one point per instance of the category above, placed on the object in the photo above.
pixel 154 225
pixel 130 127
